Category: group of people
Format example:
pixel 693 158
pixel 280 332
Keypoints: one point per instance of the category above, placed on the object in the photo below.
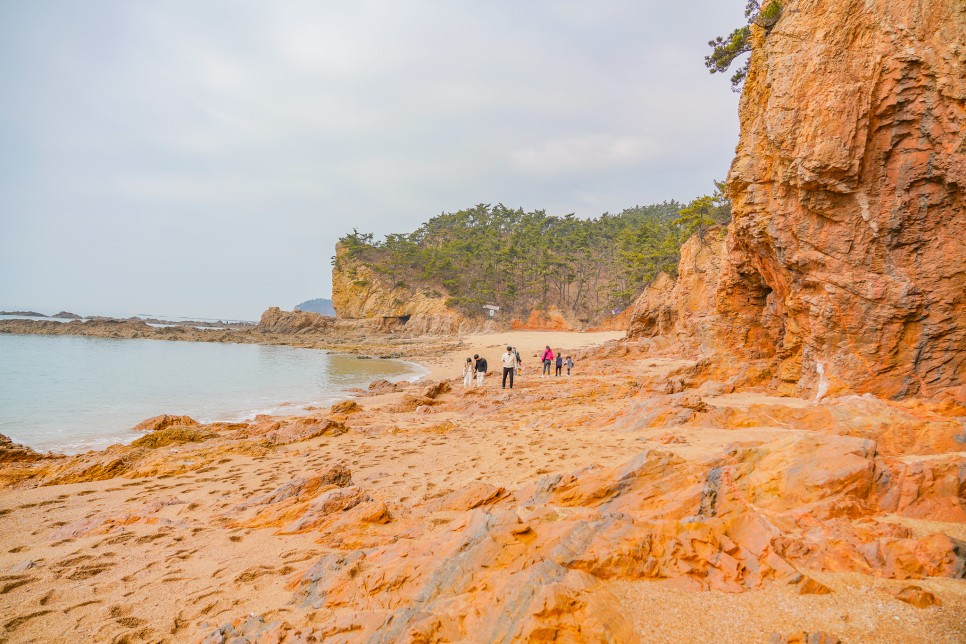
pixel 558 361
pixel 476 367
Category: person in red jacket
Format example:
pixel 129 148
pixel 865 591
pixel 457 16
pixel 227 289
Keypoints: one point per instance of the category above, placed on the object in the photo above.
pixel 547 361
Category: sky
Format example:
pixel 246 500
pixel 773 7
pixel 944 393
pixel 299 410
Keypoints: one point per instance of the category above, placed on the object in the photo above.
pixel 201 158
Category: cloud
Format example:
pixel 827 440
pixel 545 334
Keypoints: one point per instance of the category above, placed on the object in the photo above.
pixel 581 154
pixel 281 126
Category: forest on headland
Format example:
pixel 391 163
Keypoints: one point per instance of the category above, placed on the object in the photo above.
pixel 521 261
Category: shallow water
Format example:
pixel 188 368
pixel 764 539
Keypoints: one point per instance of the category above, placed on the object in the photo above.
pixel 71 394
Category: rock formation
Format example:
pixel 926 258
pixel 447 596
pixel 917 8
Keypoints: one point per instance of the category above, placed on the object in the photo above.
pixel 682 310
pixel 845 255
pixel 384 337
pixel 275 320
pixel 359 292
pixel 843 266
pixel 550 319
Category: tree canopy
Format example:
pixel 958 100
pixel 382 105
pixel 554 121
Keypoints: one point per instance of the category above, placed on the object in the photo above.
pixel 523 260
pixel 725 50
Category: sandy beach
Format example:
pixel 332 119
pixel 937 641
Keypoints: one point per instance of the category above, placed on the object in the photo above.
pixel 224 535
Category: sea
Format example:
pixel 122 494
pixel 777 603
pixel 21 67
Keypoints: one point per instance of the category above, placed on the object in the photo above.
pixel 71 394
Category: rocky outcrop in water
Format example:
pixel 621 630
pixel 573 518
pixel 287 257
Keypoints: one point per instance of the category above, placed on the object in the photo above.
pixel 275 320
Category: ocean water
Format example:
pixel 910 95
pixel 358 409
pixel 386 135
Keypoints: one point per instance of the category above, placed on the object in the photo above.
pixel 71 394
pixel 31 317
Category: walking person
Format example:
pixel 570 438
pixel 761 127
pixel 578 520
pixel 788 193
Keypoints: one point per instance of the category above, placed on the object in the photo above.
pixel 570 365
pixel 509 366
pixel 480 368
pixel 559 363
pixel 468 372
pixel 547 359
pixel 516 354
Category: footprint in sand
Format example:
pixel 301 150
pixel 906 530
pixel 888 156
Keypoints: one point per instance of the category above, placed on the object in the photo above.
pixel 92 570
pixel 251 574
pixel 82 604
pixel 20 620
pixel 12 582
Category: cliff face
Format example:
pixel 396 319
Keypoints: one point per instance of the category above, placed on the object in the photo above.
pixel 360 293
pixel 846 251
pixel 682 310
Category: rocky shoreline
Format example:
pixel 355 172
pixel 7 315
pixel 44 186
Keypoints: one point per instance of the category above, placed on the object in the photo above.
pixel 438 512
pixel 288 328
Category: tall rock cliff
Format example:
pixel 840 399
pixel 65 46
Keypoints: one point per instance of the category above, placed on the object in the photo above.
pixel 847 251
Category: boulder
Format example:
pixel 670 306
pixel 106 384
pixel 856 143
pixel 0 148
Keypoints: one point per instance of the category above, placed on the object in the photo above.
pixel 163 422
pixel 916 596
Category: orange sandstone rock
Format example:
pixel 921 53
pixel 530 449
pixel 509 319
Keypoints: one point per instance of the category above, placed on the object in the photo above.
pixel 842 266
pixel 916 596
pixel 550 319
pixel 163 422
pixel 275 320
pixel 844 256
pixel 345 407
pixel 682 310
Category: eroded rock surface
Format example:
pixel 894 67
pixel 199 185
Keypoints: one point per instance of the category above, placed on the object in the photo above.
pixel 681 312
pixel 845 254
pixel 842 270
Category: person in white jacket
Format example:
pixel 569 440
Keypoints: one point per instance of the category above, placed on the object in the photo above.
pixel 468 372
pixel 509 366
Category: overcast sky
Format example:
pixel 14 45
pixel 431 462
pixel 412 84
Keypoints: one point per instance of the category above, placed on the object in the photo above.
pixel 201 158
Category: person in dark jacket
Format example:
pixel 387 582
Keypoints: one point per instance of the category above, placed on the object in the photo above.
pixel 479 366
pixel 559 363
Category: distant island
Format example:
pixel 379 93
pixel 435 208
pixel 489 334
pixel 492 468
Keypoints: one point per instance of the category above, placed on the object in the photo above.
pixel 63 315
pixel 32 314
pixel 317 305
